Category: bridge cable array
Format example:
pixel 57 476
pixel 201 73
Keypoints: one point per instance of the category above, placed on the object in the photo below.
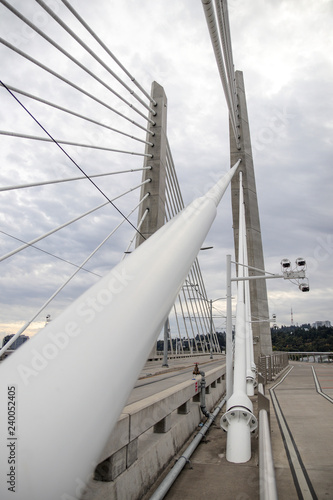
pixel 192 301
pixel 191 304
pixel 102 124
pixel 219 30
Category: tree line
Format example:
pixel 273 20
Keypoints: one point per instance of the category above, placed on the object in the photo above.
pixel 303 339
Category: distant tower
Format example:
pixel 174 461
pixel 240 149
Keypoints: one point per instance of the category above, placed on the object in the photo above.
pixel 291 317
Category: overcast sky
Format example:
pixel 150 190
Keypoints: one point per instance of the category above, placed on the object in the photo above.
pixel 284 49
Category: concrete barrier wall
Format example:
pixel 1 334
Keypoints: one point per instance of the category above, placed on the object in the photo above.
pixel 147 437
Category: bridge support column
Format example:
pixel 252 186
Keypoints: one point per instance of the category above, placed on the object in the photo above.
pixel 258 292
pixel 155 203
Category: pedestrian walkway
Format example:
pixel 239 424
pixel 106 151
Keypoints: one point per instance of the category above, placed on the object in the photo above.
pixel 302 443
pixel 305 419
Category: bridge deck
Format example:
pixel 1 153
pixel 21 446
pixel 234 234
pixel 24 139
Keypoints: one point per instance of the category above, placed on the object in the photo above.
pixel 301 423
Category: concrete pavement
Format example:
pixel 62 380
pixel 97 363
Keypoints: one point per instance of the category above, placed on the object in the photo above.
pixel 301 433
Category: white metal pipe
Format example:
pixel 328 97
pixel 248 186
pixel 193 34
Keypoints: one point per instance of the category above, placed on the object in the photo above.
pixel 258 277
pixel 267 481
pixel 240 338
pixel 239 420
pixel 68 397
pixel 250 366
pixel 168 481
pixel 228 346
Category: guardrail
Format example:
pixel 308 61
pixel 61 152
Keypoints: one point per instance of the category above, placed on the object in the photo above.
pixel 270 366
pixel 267 480
pixel 311 357
pixel 140 424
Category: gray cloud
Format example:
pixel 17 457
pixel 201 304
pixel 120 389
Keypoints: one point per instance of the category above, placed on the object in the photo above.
pixel 284 51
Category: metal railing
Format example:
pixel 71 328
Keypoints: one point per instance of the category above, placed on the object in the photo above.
pixel 270 366
pixel 311 357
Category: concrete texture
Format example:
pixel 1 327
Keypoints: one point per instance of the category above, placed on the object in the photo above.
pixel 154 450
pixel 309 417
pixel 210 476
pixel 156 201
pixel 259 304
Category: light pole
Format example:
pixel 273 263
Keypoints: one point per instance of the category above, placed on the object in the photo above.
pixel 165 344
pixel 211 323
pixel 210 301
pixel 237 400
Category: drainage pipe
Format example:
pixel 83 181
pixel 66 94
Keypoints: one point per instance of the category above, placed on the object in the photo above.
pixel 203 395
pixel 182 461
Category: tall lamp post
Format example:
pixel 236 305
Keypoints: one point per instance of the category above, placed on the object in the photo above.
pixel 237 401
pixel 211 324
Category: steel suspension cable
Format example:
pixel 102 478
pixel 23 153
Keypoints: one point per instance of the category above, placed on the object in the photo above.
pixel 224 7
pixel 197 311
pixel 69 157
pixel 69 179
pixel 48 253
pixel 179 205
pixel 68 82
pixel 145 213
pixel 223 26
pixel 171 165
pixel 26 325
pixel 216 43
pixel 95 56
pixel 69 56
pixel 185 325
pixel 93 34
pixel 70 143
pixel 172 210
pixel 54 230
pixel 73 113
pixel 177 323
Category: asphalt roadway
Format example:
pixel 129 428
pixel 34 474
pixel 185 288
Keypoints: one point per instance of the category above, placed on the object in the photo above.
pixel 155 378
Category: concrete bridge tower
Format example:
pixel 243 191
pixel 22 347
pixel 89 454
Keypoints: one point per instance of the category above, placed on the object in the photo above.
pixel 258 291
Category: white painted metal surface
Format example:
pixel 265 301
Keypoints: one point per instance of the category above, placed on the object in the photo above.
pixel 250 365
pixel 239 420
pixel 71 381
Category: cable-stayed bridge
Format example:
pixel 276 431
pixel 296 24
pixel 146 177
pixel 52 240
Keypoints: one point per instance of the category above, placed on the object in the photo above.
pixel 100 109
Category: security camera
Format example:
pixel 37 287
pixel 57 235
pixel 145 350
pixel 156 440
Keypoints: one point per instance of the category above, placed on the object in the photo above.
pixel 300 262
pixel 285 263
pixel 304 287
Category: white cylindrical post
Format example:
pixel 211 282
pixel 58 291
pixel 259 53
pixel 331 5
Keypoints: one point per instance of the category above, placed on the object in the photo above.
pixel 250 366
pixel 211 329
pixel 228 340
pixel 239 420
